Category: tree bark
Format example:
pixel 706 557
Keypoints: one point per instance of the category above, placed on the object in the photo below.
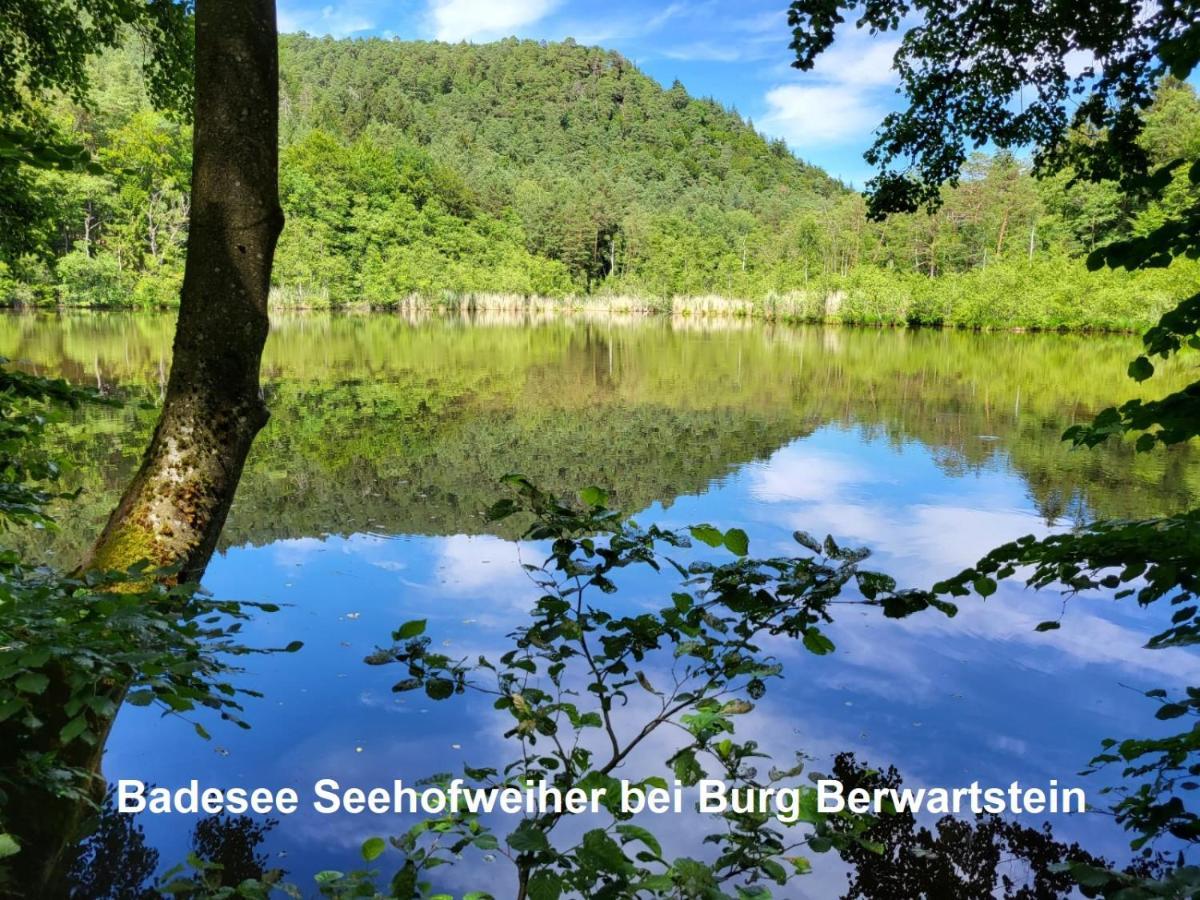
pixel 174 508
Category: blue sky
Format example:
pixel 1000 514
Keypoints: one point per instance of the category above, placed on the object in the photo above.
pixel 735 52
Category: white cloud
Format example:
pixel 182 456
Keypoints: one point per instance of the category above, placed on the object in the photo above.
pixel 805 115
pixel 843 98
pixel 799 473
pixel 860 62
pixel 483 20
pixel 704 51
pixel 484 566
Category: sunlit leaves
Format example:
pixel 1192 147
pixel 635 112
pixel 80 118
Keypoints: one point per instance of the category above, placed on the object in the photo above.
pixel 737 542
pixel 594 496
pixel 960 70
pixel 55 47
pixel 714 537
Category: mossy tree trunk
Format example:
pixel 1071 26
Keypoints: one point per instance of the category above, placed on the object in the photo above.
pixel 174 508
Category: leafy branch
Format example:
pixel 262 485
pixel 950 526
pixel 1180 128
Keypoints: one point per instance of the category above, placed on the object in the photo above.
pixel 585 688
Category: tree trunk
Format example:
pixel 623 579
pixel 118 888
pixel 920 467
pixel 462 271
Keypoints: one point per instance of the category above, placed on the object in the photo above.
pixel 173 510
pixel 1003 232
pixel 175 506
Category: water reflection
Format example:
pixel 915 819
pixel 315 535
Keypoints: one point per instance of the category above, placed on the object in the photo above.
pixel 116 863
pixel 361 508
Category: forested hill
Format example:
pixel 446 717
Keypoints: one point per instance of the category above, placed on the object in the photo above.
pixel 448 171
pixel 591 159
pixel 561 129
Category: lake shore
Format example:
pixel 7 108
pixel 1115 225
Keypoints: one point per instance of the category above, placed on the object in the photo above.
pixel 1042 295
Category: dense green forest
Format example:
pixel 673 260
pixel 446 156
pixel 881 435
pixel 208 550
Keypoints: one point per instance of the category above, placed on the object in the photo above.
pixel 417 172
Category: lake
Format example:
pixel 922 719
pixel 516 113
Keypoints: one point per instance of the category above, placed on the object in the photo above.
pixel 362 507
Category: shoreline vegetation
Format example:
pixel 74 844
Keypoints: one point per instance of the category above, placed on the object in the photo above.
pixel 1056 295
pixel 530 176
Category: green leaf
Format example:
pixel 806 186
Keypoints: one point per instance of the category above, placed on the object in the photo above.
pixel 527 839
pixel 637 833
pixel 819 844
pixel 373 848
pixel 687 769
pixel 73 729
pixel 404 884
pixel 293 647
pixel 412 629
pixel 328 876
pixel 8 846
pixel 774 871
pixel 709 535
pixel 800 864
pixel 1141 369
pixel 545 885
pixel 593 496
pixel 815 642
pixel 438 688
pixel 984 586
pixel 32 683
pixel 603 852
pixel 1170 711
pixel 1048 626
pixel 737 542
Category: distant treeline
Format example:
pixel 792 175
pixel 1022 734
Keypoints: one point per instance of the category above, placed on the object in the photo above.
pixel 425 172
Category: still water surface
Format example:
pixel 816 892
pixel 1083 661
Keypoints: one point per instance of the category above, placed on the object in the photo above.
pixel 362 506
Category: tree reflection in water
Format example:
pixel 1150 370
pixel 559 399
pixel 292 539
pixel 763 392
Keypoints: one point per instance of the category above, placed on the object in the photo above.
pixel 115 862
pixel 981 859
pixel 985 857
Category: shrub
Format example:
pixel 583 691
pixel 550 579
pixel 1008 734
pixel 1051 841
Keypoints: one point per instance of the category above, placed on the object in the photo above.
pixel 85 280
pixel 158 290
